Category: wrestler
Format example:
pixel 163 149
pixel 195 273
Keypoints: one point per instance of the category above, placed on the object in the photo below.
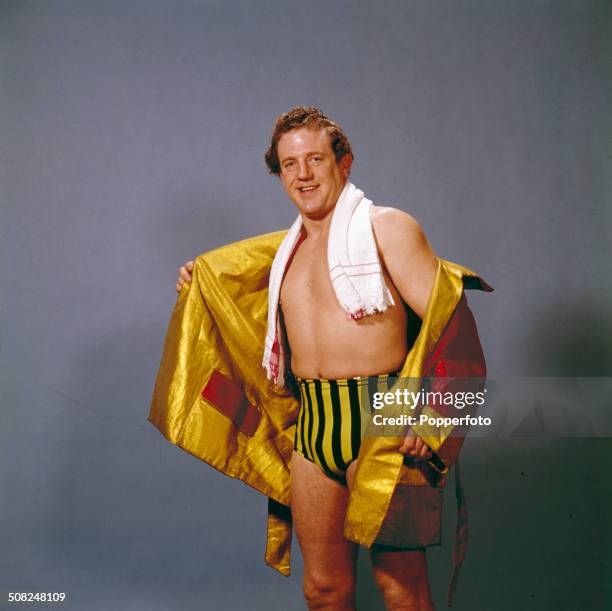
pixel 332 353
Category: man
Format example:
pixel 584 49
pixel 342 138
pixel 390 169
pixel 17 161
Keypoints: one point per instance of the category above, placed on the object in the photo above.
pixel 326 344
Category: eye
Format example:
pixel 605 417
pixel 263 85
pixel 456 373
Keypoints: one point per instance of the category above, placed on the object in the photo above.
pixel 316 158
pixel 288 164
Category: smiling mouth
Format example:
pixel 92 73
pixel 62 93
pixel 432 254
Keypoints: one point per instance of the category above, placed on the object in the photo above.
pixel 308 189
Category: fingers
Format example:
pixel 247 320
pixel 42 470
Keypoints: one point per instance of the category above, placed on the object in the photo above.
pixel 408 446
pixel 414 446
pixel 425 451
pixel 421 450
pixel 184 275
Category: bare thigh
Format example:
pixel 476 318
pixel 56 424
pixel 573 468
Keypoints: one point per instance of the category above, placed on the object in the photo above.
pixel 318 507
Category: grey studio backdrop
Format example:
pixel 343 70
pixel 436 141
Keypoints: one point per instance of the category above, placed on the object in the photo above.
pixel 132 138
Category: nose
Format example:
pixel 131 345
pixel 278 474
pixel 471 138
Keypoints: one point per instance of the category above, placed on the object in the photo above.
pixel 304 170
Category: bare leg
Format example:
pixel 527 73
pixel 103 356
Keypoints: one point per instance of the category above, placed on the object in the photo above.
pixel 401 575
pixel 318 506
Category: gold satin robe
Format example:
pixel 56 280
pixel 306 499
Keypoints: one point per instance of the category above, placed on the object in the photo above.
pixel 212 399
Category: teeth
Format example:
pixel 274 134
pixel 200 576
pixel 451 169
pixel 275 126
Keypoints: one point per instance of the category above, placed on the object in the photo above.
pixel 307 188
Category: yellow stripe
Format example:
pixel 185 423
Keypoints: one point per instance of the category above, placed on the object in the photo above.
pixel 298 444
pixel 307 421
pixel 347 423
pixel 315 421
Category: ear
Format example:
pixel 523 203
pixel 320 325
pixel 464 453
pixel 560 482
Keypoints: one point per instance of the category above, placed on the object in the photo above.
pixel 345 164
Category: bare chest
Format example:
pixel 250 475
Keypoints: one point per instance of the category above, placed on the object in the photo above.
pixel 307 286
pixel 324 340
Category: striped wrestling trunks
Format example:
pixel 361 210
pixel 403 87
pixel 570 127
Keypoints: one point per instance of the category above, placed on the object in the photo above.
pixel 331 419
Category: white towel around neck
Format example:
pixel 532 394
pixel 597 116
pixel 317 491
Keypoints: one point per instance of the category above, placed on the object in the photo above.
pixel 354 268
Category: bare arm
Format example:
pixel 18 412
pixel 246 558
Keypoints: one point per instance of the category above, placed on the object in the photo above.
pixel 407 255
pixel 412 265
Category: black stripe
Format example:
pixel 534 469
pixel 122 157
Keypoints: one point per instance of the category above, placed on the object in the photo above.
pixel 372 387
pixel 391 380
pixel 337 426
pixel 355 417
pixel 320 431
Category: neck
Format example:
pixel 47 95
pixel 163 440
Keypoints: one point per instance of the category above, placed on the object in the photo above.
pixel 317 229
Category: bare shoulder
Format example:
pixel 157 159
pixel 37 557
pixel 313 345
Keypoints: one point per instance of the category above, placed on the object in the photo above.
pixel 407 255
pixel 397 230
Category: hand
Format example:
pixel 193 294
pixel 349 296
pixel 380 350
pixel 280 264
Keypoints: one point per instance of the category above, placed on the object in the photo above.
pixel 184 275
pixel 414 446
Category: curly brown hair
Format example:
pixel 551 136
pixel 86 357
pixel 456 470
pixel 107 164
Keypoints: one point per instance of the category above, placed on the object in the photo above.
pixel 312 118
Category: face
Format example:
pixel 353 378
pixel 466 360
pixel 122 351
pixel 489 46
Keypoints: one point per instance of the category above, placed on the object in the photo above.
pixel 310 174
